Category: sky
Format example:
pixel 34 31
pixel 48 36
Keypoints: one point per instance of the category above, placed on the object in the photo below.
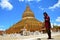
pixel 11 11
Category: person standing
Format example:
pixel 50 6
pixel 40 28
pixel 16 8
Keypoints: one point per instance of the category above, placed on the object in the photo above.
pixel 47 24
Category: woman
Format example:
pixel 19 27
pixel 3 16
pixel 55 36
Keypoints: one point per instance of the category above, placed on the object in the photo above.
pixel 47 24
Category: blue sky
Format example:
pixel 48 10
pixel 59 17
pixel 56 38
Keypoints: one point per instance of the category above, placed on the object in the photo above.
pixel 11 11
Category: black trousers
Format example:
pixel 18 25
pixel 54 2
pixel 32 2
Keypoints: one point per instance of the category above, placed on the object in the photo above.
pixel 49 33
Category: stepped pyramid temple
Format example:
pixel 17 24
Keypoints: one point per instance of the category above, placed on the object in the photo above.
pixel 29 22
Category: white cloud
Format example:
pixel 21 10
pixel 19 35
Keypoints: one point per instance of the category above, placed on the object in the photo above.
pixel 25 0
pixel 38 0
pixel 57 5
pixel 29 0
pixel 21 0
pixel 58 19
pixel 5 4
pixel 56 24
pixel 2 27
pixel 41 8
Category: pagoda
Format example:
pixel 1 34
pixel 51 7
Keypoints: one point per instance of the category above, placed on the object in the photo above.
pixel 28 22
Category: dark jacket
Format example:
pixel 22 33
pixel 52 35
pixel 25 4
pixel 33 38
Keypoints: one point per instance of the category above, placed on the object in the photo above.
pixel 47 22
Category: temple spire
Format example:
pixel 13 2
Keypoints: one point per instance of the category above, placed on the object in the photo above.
pixel 28 13
pixel 28 7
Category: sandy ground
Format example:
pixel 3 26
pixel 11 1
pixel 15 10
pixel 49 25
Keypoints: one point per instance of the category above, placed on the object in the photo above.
pixel 55 36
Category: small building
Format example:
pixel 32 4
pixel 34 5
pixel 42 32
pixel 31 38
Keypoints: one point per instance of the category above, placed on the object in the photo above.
pixel 1 32
pixel 56 28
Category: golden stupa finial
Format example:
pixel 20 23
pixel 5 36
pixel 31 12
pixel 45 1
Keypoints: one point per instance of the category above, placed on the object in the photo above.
pixel 28 13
